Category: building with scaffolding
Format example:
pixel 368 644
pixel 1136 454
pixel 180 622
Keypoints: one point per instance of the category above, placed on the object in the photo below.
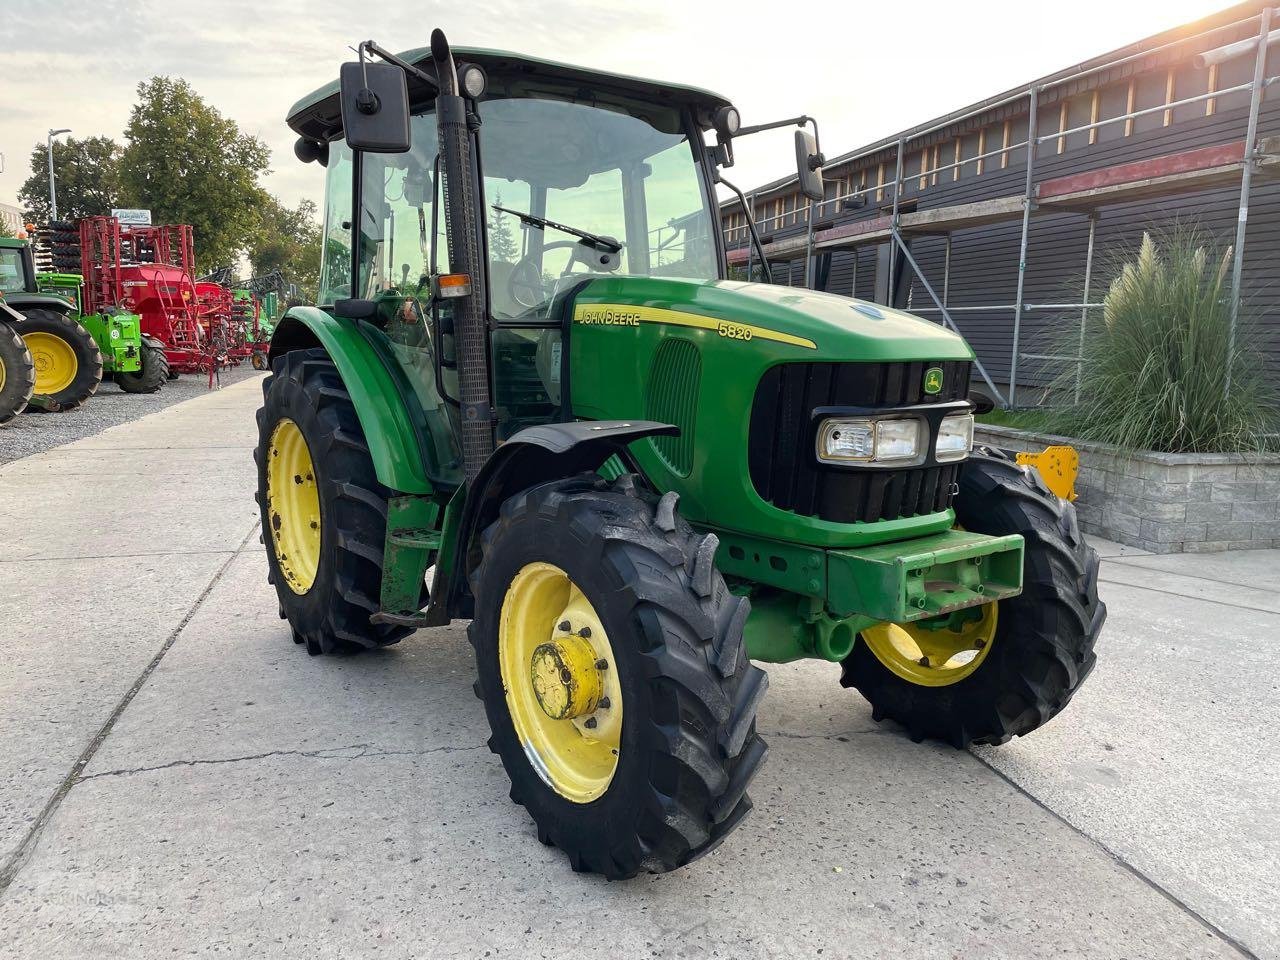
pixel 992 219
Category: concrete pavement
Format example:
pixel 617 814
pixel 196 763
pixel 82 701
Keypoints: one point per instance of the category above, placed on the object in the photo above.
pixel 180 778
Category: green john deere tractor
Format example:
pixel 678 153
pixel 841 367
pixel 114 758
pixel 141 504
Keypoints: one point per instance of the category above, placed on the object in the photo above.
pixel 67 361
pixel 553 416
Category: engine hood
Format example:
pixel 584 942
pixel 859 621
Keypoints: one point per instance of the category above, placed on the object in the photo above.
pixel 817 326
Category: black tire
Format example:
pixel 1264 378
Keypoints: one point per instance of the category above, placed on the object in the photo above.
pixel 689 747
pixel 1043 647
pixel 88 372
pixel 17 373
pixel 332 616
pixel 172 374
pixel 150 377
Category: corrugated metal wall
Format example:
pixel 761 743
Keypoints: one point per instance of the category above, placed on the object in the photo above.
pixel 984 260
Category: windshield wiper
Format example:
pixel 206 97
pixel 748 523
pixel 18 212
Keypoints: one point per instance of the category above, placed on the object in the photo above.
pixel 608 244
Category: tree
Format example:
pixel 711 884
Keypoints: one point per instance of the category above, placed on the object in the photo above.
pixel 188 163
pixel 502 245
pixel 289 241
pixel 5 230
pixel 88 178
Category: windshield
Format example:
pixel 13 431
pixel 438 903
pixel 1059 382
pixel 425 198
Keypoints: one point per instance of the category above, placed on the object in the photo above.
pixel 610 169
pixel 11 274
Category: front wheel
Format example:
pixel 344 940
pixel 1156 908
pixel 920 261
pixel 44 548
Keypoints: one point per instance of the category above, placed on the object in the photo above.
pixel 613 672
pixel 1001 670
pixel 150 376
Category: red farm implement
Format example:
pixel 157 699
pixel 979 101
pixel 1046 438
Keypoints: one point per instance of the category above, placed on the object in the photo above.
pixel 148 271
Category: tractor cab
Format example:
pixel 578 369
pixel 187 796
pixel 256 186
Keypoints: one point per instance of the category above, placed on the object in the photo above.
pixel 17 272
pixel 580 176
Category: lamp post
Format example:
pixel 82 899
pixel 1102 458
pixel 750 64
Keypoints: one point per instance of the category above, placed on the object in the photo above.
pixel 53 190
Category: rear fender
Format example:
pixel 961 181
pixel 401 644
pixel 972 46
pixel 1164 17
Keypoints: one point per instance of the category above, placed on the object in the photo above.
pixel 38 301
pixel 382 402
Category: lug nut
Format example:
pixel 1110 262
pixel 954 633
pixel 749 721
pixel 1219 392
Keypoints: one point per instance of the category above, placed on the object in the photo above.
pixel 602 664
pixel 590 723
pixel 979 644
pixel 564 626
pixel 585 633
pixel 604 703
pixel 924 661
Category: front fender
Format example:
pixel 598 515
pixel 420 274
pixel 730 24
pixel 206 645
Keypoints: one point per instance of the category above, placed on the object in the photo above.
pixel 532 456
pixel 390 426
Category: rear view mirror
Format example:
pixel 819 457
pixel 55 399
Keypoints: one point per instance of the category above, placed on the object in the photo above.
pixel 375 107
pixel 809 165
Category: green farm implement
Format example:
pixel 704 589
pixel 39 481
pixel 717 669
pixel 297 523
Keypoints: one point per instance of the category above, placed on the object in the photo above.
pixel 550 414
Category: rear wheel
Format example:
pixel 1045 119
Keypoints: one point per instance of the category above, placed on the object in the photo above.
pixel 1004 669
pixel 150 376
pixel 324 514
pixel 17 374
pixel 611 664
pixel 67 360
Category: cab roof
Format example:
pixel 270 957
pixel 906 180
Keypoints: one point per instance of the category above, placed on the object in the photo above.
pixel 318 115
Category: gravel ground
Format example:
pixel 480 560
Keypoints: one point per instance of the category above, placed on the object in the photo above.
pixel 36 431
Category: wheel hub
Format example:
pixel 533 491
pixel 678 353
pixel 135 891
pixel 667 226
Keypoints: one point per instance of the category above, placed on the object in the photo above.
pixel 565 678
pixel 936 652
pixel 293 506
pixel 54 360
pixel 560 682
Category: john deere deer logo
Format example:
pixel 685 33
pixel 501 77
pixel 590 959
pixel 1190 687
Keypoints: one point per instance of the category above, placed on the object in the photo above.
pixel 933 380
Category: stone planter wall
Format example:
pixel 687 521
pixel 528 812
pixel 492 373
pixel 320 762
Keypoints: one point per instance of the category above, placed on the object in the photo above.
pixel 1166 502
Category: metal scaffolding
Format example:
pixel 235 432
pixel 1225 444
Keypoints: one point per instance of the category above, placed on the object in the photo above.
pixel 1216 166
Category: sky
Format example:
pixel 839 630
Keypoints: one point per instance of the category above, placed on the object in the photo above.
pixel 864 70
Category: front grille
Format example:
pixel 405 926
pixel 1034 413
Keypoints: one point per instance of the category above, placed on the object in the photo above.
pixel 781 458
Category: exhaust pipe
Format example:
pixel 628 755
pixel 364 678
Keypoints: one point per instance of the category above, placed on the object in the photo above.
pixel 462 234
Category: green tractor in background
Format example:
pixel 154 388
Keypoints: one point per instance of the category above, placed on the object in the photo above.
pixel 553 416
pixel 67 361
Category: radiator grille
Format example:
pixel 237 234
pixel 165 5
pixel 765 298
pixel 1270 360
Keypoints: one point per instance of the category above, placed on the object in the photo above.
pixel 785 470
pixel 673 398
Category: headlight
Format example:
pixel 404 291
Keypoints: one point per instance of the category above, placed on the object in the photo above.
pixel 868 441
pixel 955 438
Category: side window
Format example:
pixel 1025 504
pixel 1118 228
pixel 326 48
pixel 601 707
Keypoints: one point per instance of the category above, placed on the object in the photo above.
pixel 335 259
pixel 11 279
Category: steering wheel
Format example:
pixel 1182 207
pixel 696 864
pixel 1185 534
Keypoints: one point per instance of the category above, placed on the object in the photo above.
pixel 525 284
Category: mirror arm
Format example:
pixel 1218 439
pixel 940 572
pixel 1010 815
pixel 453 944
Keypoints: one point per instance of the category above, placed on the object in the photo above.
pixel 404 65
pixel 751 226
pixel 792 122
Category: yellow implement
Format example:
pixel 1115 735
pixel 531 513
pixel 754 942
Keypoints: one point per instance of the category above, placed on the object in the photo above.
pixel 1058 467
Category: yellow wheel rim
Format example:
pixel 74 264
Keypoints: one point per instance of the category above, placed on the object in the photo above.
pixel 293 506
pixel 1 373
pixel 938 652
pixel 561 682
pixel 55 362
